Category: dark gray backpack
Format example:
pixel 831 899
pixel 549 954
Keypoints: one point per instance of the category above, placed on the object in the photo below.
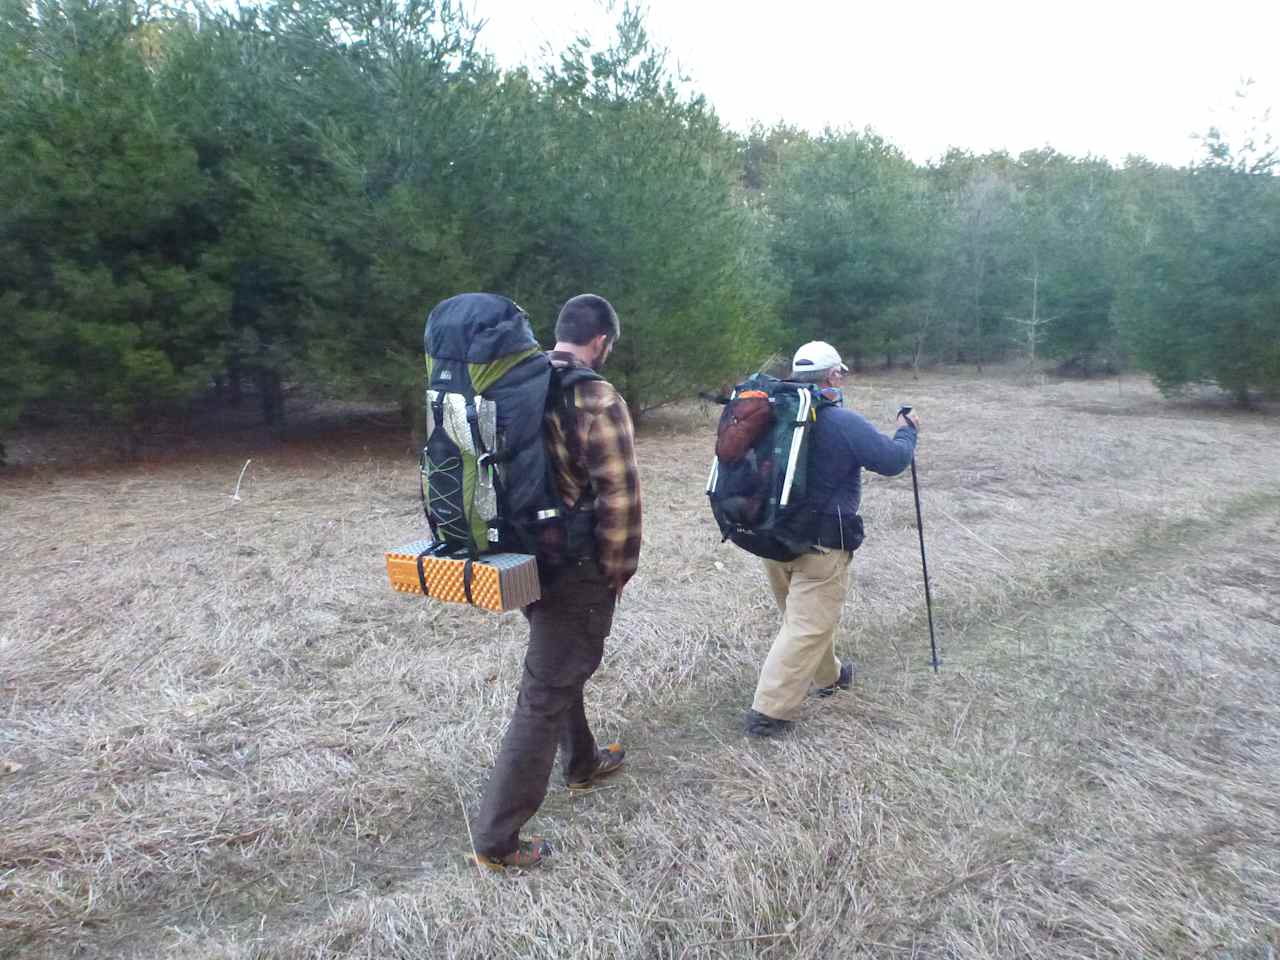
pixel 486 481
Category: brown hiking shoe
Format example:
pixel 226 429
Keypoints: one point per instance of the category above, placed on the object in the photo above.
pixel 528 853
pixel 608 761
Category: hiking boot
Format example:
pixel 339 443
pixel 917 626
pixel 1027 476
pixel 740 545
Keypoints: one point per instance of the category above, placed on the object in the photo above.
pixel 528 853
pixel 756 724
pixel 608 761
pixel 843 682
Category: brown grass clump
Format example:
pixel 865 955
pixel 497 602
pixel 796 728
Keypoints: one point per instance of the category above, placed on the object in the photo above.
pixel 223 735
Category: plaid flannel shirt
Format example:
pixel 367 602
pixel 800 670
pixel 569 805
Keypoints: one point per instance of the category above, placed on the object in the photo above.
pixel 606 466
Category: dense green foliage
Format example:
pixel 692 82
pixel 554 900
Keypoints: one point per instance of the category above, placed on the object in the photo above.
pixel 196 200
pixel 1203 304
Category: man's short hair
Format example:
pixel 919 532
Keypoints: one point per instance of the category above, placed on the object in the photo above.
pixel 585 317
pixel 810 376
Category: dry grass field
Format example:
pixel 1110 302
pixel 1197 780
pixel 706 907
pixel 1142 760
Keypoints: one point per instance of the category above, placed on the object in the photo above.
pixel 223 736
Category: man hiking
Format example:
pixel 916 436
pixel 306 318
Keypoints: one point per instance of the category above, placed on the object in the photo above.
pixel 810 589
pixel 591 446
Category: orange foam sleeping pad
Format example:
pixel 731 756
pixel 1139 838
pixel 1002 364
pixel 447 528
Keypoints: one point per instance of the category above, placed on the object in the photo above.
pixel 499 581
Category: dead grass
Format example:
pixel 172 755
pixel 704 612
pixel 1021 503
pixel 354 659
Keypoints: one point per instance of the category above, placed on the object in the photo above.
pixel 233 740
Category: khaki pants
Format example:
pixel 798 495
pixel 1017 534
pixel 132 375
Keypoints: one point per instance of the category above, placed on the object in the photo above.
pixel 810 592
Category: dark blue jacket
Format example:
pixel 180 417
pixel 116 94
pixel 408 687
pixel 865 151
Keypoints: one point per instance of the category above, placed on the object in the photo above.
pixel 844 442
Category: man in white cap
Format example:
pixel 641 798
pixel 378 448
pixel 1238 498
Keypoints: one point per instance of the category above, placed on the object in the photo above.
pixel 810 589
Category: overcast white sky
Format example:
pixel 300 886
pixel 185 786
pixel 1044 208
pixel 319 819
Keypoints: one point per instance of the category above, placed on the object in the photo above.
pixel 1085 76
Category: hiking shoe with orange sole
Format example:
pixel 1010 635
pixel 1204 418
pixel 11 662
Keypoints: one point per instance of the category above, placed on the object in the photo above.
pixel 608 761
pixel 529 853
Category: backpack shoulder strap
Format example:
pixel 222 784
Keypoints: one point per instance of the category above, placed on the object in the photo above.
pixel 563 379
pixel 822 402
pixel 568 377
pixel 561 399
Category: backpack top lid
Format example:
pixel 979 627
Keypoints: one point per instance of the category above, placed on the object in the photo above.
pixel 477 328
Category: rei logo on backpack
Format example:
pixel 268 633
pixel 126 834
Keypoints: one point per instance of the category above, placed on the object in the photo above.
pixel 486 481
pixel 761 468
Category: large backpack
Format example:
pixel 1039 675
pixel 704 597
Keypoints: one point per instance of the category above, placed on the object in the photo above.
pixel 760 473
pixel 486 480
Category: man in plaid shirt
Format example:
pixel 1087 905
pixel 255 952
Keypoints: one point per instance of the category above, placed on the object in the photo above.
pixel 591 445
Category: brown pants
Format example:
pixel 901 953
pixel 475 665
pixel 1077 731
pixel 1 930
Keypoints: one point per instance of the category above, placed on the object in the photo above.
pixel 567 629
pixel 810 592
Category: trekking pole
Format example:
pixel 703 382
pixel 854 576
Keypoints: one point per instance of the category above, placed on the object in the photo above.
pixel 924 564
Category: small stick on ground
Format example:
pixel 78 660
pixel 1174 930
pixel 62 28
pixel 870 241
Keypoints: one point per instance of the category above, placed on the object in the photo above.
pixel 236 496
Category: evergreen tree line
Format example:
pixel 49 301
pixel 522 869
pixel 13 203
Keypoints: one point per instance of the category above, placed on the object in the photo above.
pixel 200 201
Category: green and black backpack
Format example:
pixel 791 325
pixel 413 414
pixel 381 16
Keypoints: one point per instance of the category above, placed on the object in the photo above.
pixel 760 473
pixel 486 480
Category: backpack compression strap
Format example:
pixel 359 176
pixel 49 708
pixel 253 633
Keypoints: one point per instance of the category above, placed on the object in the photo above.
pixel 468 570
pixel 484 459
pixel 434 549
pixel 468 573
pixel 422 577
pixel 473 421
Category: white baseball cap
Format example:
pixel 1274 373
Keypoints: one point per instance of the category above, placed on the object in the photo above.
pixel 814 356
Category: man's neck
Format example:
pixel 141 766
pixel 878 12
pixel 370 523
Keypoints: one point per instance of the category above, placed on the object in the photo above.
pixel 580 351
